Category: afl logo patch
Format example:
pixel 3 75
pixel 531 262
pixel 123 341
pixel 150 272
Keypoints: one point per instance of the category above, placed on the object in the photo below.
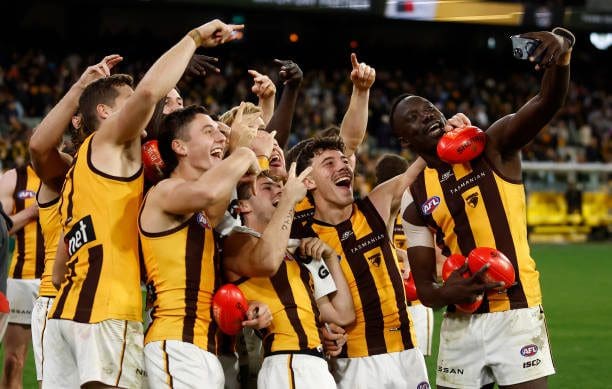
pixel 423 385
pixel 428 206
pixel 201 219
pixel 529 350
pixel 25 194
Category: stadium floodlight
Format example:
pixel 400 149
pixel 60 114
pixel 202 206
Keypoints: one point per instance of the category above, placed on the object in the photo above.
pixel 601 40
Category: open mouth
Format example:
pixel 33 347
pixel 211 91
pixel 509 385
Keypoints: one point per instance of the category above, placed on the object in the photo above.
pixel 344 182
pixel 275 160
pixel 217 152
pixel 436 129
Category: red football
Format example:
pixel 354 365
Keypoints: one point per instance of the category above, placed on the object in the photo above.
pixel 4 304
pixel 410 288
pixel 229 308
pixel 461 144
pixel 500 269
pixel 152 162
pixel 470 307
pixel 452 263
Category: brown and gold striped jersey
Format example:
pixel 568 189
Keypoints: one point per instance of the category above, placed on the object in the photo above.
pixel 48 216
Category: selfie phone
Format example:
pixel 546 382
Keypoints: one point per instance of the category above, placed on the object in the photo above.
pixel 523 48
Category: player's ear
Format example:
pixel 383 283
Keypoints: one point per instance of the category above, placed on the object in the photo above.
pixel 178 147
pixel 309 183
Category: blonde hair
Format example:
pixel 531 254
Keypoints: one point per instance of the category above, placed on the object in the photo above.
pixel 249 109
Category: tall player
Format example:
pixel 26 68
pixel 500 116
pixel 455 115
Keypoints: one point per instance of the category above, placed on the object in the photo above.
pixel 380 350
pixel 482 203
pixel 18 196
pixel 51 165
pixel 96 330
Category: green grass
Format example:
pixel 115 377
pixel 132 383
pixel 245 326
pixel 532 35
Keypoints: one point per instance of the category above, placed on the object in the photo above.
pixel 577 285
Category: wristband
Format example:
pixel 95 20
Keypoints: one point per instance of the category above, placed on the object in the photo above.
pixel 197 38
pixel 264 162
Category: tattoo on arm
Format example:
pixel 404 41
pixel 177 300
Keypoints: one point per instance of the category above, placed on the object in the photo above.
pixel 288 220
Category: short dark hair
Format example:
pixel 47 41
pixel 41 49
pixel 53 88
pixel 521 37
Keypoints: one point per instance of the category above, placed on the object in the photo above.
pixel 291 155
pixel 172 127
pixel 102 91
pixel 332 130
pixel 316 146
pixel 397 100
pixel 389 166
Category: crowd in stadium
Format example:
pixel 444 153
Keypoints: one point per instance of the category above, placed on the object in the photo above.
pixel 31 82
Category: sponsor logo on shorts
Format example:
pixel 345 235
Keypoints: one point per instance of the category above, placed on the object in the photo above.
pixel 529 351
pixel 532 363
pixel 450 370
pixel 423 385
pixel 430 205
pixel 141 372
pixel 21 312
pixel 25 194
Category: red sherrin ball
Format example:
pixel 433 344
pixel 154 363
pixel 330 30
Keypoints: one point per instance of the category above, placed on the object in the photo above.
pixel 152 162
pixel 4 304
pixel 501 268
pixel 470 307
pixel 229 308
pixel 461 144
pixel 452 263
pixel 410 288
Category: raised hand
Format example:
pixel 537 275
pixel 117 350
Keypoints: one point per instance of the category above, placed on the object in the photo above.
pixel 263 86
pixel 316 248
pixel 290 73
pixel 362 75
pixel 216 33
pixel 99 70
pixel 294 188
pixel 263 143
pixel 243 129
pixel 551 49
pixel 199 65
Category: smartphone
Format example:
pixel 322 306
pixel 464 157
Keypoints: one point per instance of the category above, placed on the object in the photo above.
pixel 522 48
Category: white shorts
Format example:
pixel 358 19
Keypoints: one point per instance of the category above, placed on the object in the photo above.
pixel 404 369
pixel 283 371
pixel 39 324
pixel 109 352
pixel 176 364
pixel 507 347
pixel 423 320
pixel 21 295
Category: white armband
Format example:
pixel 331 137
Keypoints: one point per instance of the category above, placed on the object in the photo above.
pixel 415 235
pixel 322 279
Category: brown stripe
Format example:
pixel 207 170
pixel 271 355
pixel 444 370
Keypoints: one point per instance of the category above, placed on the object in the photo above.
pixel 214 336
pixel 194 250
pixel 70 205
pixel 90 284
pixel 282 287
pixel 377 225
pixel 64 292
pixel 456 208
pixel 42 335
pixel 305 276
pixel 169 379
pixel 366 287
pixel 267 341
pixel 40 251
pixel 502 234
pixel 291 374
pixel 20 185
pixel 68 178
pixel 123 353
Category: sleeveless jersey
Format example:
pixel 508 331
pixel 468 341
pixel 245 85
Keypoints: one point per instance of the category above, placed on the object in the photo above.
pixel 48 216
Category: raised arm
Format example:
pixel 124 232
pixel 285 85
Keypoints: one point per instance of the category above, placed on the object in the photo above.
pixel 265 90
pixel 60 267
pixel 47 160
pixel 252 257
pixel 281 121
pixel 355 121
pixel 509 134
pixel 165 73
pixel 386 197
pixel 194 196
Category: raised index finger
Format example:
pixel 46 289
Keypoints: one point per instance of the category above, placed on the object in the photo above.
pixel 292 170
pixel 354 61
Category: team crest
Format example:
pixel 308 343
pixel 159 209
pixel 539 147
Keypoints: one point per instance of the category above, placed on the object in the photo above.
pixel 25 194
pixel 472 200
pixel 375 259
pixel 430 205
pixel 201 219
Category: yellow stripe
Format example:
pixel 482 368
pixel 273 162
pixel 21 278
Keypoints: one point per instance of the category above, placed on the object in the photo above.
pixel 290 372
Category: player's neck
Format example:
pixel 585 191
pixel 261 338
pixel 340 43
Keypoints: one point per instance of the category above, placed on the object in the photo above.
pixel 332 213
pixel 187 172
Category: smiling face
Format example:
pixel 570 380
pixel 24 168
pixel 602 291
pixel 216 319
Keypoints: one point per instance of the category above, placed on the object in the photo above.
pixel 331 179
pixel 172 102
pixel 262 206
pixel 418 124
pixel 278 167
pixel 203 144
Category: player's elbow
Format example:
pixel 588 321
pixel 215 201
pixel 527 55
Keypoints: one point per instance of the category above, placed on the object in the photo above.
pixel 345 318
pixel 146 94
